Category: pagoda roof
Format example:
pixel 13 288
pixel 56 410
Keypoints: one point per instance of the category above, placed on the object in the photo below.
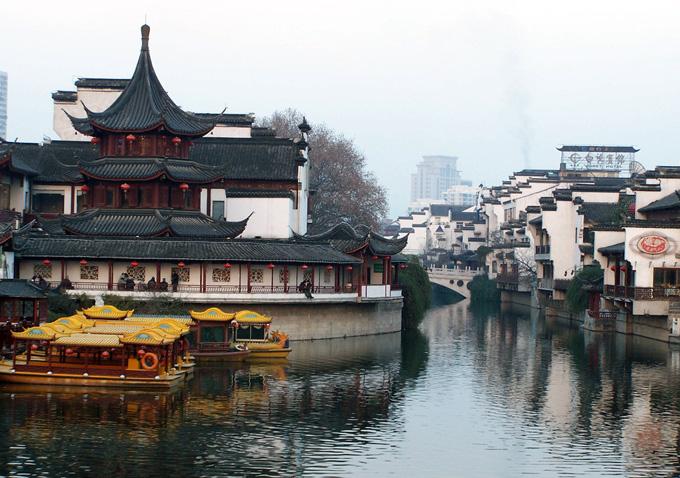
pixel 343 237
pixel 144 105
pixel 142 169
pixel 177 249
pixel 20 289
pixel 142 223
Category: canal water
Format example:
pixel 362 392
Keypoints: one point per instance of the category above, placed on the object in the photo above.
pixel 474 393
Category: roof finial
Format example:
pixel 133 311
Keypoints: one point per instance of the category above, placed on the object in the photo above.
pixel 145 36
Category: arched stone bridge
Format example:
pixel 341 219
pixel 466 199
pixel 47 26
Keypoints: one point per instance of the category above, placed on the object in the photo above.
pixel 455 279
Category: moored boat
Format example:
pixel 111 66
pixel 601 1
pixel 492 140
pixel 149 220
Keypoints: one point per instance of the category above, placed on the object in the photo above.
pixel 253 330
pixel 79 351
pixel 212 339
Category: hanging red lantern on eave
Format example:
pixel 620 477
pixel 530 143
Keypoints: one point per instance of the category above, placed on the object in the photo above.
pixel 227 265
pixel 349 268
pixel 176 140
pixel 184 187
pixel 329 267
pixel 270 266
pixel 402 266
pixel 612 268
pixel 46 262
pixel 134 264
pixel 131 137
pixel 304 267
pixel 623 268
pixel 85 188
pixel 125 187
pixel 181 264
pixel 106 354
pixel 375 258
pixel 34 346
pixel 83 262
pixel 94 140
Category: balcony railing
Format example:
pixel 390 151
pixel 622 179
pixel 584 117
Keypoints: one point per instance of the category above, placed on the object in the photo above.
pixel 641 293
pixel 508 277
pixel 603 314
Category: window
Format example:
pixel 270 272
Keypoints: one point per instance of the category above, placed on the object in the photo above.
pixel 137 273
pixel 212 334
pixel 89 272
pixel 52 202
pixel 256 276
pixel 221 275
pixel 250 332
pixel 42 270
pixel 218 210
pixel 666 277
pixel 184 273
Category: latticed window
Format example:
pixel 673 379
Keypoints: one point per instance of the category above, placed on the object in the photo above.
pixel 137 273
pixel 184 273
pixel 89 272
pixel 256 276
pixel 42 270
pixel 307 275
pixel 284 276
pixel 221 275
pixel 327 276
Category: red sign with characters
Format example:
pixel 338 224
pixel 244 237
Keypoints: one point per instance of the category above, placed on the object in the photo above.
pixel 653 244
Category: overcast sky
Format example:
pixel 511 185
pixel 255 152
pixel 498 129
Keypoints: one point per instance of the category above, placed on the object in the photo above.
pixel 497 83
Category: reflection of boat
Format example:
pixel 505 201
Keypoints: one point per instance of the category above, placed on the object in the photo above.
pixel 78 351
pixel 252 329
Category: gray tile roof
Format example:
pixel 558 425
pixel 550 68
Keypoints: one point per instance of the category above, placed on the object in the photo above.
pixel 142 223
pixel 672 201
pixel 168 248
pixel 20 289
pixel 143 105
pixel 345 238
pixel 150 168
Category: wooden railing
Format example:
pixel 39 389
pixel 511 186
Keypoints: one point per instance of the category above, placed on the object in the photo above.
pixel 641 293
pixel 508 277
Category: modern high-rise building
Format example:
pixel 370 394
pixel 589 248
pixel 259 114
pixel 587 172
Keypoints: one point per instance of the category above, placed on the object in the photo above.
pixel 434 176
pixel 3 105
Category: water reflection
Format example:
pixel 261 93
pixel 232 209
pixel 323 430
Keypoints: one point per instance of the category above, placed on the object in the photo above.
pixel 476 393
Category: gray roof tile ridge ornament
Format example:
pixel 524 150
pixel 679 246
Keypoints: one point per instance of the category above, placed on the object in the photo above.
pixel 144 105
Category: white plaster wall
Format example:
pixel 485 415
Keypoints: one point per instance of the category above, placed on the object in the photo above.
pixel 270 217
pixel 65 190
pixel 643 198
pixel 17 196
pixel 564 251
pixel 604 239
pixel 95 99
pixel 226 131
pixel 644 264
pixel 597 197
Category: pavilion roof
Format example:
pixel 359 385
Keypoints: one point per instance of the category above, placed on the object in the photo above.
pixel 142 223
pixel 144 105
pixel 20 289
pixel 144 169
pixel 343 237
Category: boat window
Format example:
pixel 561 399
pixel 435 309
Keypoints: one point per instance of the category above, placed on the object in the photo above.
pixel 250 332
pixel 212 334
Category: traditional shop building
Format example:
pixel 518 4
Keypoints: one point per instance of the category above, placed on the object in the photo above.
pixel 153 204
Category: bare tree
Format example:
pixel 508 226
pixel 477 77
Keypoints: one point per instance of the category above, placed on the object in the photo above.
pixel 345 189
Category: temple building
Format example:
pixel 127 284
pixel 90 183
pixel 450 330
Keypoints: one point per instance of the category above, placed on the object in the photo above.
pixel 160 199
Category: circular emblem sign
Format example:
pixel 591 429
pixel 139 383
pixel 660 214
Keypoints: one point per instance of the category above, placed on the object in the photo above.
pixel 653 244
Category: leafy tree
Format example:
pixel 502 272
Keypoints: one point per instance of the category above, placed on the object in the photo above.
pixel 416 289
pixel 345 190
pixel 589 278
pixel 483 290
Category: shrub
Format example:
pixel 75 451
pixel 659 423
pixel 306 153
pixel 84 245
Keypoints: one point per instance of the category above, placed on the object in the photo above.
pixel 483 289
pixel 61 305
pixel 155 305
pixel 416 289
pixel 588 278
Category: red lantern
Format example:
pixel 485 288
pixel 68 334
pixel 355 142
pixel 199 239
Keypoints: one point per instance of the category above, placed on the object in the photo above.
pixel 68 351
pixel 47 262
pixel 184 187
pixel 402 266
pixel 181 264
pixel 94 140
pixel 227 265
pixel 234 324
pixel 131 137
pixel 106 354
pixel 329 267
pixel 304 267
pixel 623 268
pixel 176 140
pixel 375 258
pixel 349 268
pixel 612 268
pixel 125 187
pixel 83 262
pixel 141 353
pixel 134 264
pixel 85 188
pixel 34 346
pixel 270 266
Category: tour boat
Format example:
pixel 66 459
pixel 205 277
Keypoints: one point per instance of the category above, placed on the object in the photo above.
pixel 79 351
pixel 252 329
pixel 211 338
